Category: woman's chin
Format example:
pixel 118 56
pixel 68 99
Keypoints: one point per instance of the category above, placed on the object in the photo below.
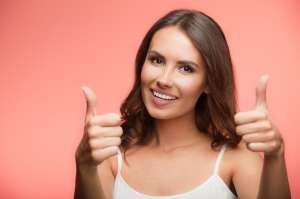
pixel 162 114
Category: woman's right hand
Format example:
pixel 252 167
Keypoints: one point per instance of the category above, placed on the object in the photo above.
pixel 102 134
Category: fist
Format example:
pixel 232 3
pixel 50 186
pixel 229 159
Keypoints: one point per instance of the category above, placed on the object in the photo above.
pixel 101 136
pixel 255 127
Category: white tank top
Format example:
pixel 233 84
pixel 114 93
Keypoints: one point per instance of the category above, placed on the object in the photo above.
pixel 214 187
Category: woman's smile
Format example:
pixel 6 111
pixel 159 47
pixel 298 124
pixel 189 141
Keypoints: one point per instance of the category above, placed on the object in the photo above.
pixel 172 75
pixel 161 99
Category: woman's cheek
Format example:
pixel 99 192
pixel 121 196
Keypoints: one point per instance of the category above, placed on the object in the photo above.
pixel 144 74
pixel 190 88
pixel 149 73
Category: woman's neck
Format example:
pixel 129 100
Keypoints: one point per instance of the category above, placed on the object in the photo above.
pixel 178 132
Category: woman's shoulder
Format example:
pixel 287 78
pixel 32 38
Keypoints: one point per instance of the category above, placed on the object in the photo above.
pixel 113 160
pixel 241 152
pixel 237 158
pixel 241 158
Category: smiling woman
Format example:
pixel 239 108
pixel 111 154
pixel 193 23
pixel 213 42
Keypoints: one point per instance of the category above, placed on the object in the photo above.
pixel 171 81
pixel 177 122
pixel 184 54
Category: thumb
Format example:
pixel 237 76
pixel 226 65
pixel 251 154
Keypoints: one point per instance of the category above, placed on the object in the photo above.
pixel 91 102
pixel 261 92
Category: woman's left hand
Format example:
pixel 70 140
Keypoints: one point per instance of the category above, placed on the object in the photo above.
pixel 255 127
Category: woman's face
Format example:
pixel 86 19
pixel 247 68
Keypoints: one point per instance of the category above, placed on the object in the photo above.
pixel 172 75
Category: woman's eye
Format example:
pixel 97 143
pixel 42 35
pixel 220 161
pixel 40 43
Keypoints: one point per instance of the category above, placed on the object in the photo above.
pixel 155 60
pixel 187 68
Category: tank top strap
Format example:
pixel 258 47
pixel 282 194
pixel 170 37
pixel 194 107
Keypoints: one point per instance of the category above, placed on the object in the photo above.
pixel 119 157
pixel 218 159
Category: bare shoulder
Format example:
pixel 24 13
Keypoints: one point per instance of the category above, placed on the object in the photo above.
pixel 108 166
pixel 106 176
pixel 246 168
pixel 113 163
pixel 241 156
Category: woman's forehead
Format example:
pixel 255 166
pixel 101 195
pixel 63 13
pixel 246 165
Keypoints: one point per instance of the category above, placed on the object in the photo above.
pixel 172 42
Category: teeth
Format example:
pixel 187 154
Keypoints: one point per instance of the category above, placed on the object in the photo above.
pixel 163 96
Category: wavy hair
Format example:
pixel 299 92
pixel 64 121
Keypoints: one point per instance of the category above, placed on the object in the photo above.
pixel 214 111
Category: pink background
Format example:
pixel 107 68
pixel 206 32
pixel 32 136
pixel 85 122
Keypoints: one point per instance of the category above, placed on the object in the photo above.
pixel 49 48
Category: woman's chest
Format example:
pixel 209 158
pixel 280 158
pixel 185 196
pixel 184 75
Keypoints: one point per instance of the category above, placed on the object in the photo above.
pixel 170 175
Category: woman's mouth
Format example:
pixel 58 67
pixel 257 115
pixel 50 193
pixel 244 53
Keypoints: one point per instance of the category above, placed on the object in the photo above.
pixel 162 99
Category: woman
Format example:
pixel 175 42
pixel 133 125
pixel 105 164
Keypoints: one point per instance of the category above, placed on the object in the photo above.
pixel 179 126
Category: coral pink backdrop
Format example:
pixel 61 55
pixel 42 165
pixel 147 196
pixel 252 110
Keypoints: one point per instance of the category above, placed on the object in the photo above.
pixel 49 48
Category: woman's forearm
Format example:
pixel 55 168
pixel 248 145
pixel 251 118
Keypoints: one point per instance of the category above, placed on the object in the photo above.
pixel 87 185
pixel 274 180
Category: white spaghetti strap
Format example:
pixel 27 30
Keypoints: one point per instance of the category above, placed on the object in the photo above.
pixel 119 156
pixel 218 160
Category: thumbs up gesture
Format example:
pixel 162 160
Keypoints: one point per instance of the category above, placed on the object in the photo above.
pixel 101 136
pixel 255 127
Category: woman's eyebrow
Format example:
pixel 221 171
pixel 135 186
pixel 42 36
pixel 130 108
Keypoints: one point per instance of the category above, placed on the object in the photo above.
pixel 179 62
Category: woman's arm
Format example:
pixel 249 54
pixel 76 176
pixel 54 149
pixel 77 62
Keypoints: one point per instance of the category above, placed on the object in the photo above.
pixel 258 177
pixel 261 135
pixel 247 168
pixel 87 184
pixel 100 141
pixel 94 182
pixel 274 181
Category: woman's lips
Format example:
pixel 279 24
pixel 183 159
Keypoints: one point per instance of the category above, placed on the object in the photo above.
pixel 159 102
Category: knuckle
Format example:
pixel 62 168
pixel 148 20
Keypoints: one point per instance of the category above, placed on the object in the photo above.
pixel 274 144
pixel 120 130
pixel 99 120
pixel 95 131
pixel 248 145
pixel 91 144
pixel 90 131
pixel 105 131
pixel 97 155
pixel 238 129
pixel 263 115
pixel 268 136
pixel 115 116
pixel 272 135
pixel 267 124
pixel 245 138
pixel 115 149
pixel 118 141
pixel 90 121
pixel 112 117
pixel 236 117
pixel 262 125
pixel 100 130
pixel 94 154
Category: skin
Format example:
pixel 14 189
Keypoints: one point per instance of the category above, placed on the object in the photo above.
pixel 186 82
pixel 178 159
pixel 180 140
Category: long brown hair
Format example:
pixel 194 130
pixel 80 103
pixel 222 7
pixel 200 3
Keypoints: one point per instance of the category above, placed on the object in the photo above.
pixel 215 110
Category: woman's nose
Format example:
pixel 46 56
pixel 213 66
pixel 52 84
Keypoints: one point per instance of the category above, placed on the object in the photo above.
pixel 165 79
